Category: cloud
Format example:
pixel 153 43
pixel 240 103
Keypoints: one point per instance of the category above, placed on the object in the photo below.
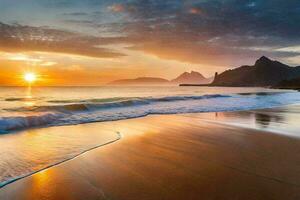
pixel 19 57
pixel 212 32
pixel 18 38
pixel 79 22
pixel 49 63
pixel 76 14
pixel 195 11
pixel 117 8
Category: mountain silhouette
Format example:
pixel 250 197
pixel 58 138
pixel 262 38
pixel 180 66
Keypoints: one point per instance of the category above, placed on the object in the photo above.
pixel 191 78
pixel 265 72
pixel 184 78
pixel 289 84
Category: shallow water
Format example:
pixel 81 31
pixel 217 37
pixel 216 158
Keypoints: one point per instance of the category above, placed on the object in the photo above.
pixel 28 151
pixel 282 120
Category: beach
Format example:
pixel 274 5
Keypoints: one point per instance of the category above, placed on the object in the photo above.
pixel 149 100
pixel 186 156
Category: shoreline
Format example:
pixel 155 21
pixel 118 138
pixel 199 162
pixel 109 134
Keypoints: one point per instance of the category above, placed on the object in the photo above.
pixel 5 183
pixel 205 117
pixel 208 119
pixel 131 123
pixel 241 119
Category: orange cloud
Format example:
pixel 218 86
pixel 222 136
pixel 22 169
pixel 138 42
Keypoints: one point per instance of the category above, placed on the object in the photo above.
pixel 195 11
pixel 18 38
pixel 117 8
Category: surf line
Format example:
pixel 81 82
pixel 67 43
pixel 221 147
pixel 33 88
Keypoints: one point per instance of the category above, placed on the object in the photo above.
pixel 5 183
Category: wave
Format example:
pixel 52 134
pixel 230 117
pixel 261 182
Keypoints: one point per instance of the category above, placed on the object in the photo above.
pixel 91 104
pixel 20 122
pixel 94 110
pixel 88 100
pixel 21 99
pixel 60 113
pixel 259 93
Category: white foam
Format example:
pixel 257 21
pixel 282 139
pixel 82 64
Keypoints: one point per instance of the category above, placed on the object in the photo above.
pixel 85 111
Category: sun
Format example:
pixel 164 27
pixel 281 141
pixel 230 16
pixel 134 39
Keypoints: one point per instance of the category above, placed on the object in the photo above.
pixel 30 77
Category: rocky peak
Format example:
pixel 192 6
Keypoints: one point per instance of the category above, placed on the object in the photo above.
pixel 263 61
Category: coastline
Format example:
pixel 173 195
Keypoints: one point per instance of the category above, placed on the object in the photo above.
pixel 199 157
pixel 3 184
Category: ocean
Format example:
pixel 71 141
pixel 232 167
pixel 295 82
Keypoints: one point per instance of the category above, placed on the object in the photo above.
pixel 25 150
pixel 22 108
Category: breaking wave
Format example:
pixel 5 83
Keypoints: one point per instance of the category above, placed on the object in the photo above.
pixel 63 112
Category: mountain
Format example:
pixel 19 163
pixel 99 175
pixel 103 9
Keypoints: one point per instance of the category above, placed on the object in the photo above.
pixel 141 81
pixel 289 84
pixel 185 78
pixel 191 78
pixel 264 72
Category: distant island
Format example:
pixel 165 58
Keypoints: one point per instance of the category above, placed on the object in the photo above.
pixel 264 73
pixel 184 78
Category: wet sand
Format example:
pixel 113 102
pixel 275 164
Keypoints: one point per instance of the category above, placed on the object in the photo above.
pixel 173 157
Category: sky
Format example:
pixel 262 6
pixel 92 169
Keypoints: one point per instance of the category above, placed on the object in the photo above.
pixel 92 42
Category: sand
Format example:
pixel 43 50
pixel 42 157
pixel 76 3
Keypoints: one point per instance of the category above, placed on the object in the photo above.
pixel 172 157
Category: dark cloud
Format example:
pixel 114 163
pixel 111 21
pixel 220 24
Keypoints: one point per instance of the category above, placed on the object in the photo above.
pixel 26 38
pixel 57 3
pixel 211 30
pixel 79 22
pixel 215 32
pixel 76 14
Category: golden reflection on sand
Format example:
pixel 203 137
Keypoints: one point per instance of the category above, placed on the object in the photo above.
pixel 172 157
pixel 41 179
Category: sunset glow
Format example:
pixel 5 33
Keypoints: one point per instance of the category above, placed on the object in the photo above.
pixel 96 93
pixel 109 40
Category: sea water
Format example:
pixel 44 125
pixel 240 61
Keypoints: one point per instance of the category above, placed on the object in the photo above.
pixel 24 150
